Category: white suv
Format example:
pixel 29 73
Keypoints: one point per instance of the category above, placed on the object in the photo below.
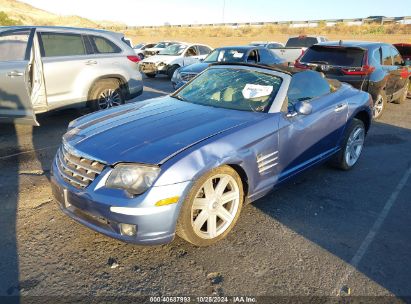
pixel 173 57
pixel 47 68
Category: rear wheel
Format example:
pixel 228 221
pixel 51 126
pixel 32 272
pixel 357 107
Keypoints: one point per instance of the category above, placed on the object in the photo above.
pixel 212 207
pixel 404 93
pixel 379 104
pixel 352 145
pixel 106 94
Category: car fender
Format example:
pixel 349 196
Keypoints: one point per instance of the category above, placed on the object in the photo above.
pixel 239 147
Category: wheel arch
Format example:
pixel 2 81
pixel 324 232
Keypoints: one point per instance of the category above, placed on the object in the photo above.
pixel 243 175
pixel 122 81
pixel 364 116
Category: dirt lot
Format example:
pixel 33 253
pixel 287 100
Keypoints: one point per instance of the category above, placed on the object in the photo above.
pixel 325 230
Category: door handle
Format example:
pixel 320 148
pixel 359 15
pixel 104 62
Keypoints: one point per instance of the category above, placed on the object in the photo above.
pixel 15 74
pixel 340 107
pixel 91 62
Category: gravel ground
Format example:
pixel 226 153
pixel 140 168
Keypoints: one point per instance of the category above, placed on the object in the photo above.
pixel 323 232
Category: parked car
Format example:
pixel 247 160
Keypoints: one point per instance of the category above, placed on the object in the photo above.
pixel 195 157
pixel 141 47
pixel 158 47
pixel 405 51
pixel 375 67
pixel 296 46
pixel 47 68
pixel 250 54
pixel 268 44
pixel 173 57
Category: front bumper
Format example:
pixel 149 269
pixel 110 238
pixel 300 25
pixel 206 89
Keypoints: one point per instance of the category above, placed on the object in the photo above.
pixel 104 209
pixel 152 68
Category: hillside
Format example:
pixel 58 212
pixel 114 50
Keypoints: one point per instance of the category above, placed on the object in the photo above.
pixel 29 15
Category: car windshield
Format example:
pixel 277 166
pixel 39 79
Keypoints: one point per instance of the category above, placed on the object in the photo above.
pixel 301 41
pixel 139 46
pixel 173 50
pixel 226 55
pixel 337 56
pixel 232 88
pixel 162 45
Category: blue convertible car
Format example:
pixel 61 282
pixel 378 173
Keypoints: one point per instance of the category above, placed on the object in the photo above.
pixel 188 162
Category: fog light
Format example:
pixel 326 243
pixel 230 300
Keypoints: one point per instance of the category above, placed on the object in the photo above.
pixel 127 229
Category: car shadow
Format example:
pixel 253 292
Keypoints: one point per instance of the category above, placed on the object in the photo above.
pixel 337 210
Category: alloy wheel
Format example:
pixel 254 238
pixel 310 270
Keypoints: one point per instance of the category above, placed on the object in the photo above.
pixel 378 106
pixel 215 206
pixel 109 98
pixel 354 146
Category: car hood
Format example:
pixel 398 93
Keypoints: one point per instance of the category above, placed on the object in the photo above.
pixel 161 58
pixel 150 132
pixel 195 68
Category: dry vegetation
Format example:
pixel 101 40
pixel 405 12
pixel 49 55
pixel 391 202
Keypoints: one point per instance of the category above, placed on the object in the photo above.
pixel 15 12
pixel 217 36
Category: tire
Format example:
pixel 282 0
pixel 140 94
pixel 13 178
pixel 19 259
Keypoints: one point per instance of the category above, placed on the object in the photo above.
pixel 379 104
pixel 106 93
pixel 171 71
pixel 150 75
pixel 404 94
pixel 195 223
pixel 342 160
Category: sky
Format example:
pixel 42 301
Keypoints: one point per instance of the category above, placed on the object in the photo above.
pixel 160 12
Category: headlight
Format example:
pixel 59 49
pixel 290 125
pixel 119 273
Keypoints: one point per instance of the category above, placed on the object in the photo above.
pixel 161 64
pixel 135 179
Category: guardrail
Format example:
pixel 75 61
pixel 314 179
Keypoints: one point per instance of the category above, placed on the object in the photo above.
pixel 310 23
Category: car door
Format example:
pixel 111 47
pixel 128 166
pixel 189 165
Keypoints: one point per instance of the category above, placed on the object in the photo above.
pixel 390 70
pixel 15 76
pixel 307 139
pixel 64 57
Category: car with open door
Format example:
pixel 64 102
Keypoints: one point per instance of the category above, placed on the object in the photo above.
pixel 197 156
pixel 375 67
pixel 48 68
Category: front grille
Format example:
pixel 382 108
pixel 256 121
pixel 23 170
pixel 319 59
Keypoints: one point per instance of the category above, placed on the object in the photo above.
pixel 77 170
pixel 188 76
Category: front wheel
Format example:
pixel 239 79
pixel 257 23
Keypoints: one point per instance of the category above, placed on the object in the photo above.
pixel 212 207
pixel 352 146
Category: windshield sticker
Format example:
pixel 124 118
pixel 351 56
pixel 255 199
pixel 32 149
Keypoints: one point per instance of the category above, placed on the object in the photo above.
pixel 254 90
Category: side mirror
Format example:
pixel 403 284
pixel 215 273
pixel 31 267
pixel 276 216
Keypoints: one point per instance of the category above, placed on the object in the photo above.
pixel 201 59
pixel 303 108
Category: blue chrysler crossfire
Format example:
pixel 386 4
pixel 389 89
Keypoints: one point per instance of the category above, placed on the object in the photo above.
pixel 186 163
